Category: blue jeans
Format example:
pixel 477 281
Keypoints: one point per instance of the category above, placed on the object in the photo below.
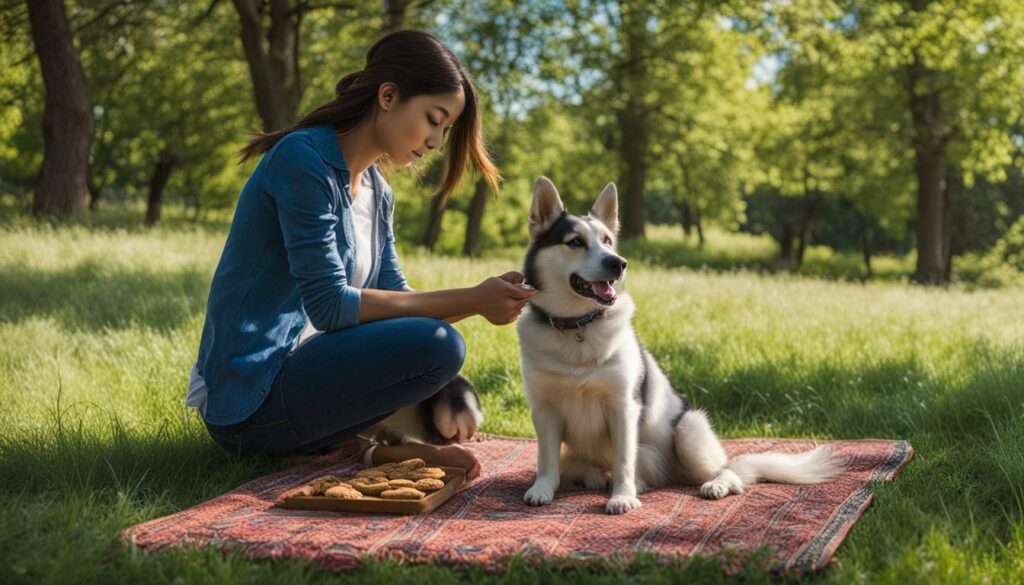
pixel 342 382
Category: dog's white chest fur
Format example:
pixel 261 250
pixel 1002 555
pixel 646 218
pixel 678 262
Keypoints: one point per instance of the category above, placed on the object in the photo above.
pixel 586 381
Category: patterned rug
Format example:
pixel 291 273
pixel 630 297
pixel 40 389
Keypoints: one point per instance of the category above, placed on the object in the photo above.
pixel 487 521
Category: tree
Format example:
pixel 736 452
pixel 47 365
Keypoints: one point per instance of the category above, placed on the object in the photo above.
pixel 67 117
pixel 502 43
pixel 942 79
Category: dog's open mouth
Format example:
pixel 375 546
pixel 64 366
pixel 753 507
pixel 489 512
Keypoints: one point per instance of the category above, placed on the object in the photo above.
pixel 601 291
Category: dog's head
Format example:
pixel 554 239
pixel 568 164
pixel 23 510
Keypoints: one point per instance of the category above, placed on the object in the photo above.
pixel 571 259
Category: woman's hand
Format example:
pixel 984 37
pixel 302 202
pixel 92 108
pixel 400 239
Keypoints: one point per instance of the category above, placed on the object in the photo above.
pixel 500 299
pixel 458 456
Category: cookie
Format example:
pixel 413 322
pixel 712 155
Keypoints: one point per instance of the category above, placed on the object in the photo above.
pixel 410 464
pixel 406 493
pixel 343 491
pixel 428 484
pixel 400 483
pixel 418 474
pixel 379 471
pixel 321 484
pixel 370 486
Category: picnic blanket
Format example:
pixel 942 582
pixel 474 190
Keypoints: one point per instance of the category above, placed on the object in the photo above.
pixel 487 522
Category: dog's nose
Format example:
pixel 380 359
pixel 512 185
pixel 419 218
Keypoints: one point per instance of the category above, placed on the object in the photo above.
pixel 618 265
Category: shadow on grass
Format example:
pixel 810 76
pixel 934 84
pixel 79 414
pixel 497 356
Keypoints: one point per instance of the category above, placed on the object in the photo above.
pixel 93 296
pixel 118 216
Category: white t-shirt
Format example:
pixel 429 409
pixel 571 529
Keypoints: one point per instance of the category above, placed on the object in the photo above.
pixel 364 226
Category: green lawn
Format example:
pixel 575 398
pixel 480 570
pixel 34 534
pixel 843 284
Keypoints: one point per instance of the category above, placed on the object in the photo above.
pixel 99 327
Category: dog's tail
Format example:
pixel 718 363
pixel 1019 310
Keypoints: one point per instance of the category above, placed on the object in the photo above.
pixel 814 466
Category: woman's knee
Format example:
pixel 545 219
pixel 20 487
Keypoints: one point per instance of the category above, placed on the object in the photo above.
pixel 441 343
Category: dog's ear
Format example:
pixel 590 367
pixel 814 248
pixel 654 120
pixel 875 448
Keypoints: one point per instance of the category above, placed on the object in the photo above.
pixel 546 207
pixel 606 208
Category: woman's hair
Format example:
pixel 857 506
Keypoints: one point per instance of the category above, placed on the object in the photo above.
pixel 417 63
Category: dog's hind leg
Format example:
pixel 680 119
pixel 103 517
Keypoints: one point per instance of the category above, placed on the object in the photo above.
pixel 702 459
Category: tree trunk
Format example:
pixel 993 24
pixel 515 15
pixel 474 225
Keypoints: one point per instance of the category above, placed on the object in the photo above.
pixel 930 137
pixel 810 210
pixel 95 192
pixel 437 205
pixel 632 81
pixel 274 64
pixel 931 216
pixel 947 244
pixel 865 243
pixel 396 14
pixel 686 217
pixel 161 173
pixel 697 223
pixel 786 244
pixel 67 115
pixel 475 217
pixel 634 147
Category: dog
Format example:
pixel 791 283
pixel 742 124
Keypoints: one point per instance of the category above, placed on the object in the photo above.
pixel 601 406
pixel 451 415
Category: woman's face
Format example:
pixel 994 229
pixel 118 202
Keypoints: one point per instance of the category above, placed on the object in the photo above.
pixel 408 128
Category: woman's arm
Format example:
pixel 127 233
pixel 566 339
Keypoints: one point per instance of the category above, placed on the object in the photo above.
pixel 458 318
pixel 496 298
pixel 377 304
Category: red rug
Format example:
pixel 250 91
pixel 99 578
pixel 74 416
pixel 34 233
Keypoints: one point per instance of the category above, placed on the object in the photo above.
pixel 487 521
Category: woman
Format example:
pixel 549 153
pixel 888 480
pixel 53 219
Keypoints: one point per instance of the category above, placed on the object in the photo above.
pixel 311 246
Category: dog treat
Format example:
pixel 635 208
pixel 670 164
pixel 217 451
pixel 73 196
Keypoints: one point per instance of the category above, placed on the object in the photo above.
pixel 343 491
pixel 410 464
pixel 379 471
pixel 404 480
pixel 370 486
pixel 406 493
pixel 321 484
pixel 428 484
pixel 418 474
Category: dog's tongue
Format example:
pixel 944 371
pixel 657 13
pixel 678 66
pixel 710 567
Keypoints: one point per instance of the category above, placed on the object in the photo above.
pixel 603 289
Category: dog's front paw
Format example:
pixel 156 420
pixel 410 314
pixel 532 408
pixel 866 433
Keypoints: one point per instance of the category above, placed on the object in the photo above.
pixel 622 504
pixel 539 495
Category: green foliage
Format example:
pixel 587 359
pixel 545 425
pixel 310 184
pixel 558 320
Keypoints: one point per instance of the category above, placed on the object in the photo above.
pixel 803 104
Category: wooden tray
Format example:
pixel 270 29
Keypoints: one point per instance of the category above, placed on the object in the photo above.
pixel 453 480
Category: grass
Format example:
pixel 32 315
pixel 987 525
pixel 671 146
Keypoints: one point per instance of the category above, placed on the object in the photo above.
pixel 99 326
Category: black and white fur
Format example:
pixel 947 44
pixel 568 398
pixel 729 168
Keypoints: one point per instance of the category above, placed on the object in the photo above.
pixel 602 408
pixel 451 415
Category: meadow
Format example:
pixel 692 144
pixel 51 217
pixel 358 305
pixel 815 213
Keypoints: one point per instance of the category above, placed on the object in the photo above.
pixel 99 326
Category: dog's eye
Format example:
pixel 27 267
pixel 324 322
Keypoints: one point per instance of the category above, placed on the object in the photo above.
pixel 576 243
pixel 608 241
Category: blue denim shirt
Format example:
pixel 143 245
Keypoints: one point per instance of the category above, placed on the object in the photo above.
pixel 289 248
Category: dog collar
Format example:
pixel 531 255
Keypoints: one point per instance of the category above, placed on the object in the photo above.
pixel 566 323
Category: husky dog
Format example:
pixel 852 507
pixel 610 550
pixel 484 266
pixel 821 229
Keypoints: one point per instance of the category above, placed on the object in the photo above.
pixel 451 415
pixel 593 388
